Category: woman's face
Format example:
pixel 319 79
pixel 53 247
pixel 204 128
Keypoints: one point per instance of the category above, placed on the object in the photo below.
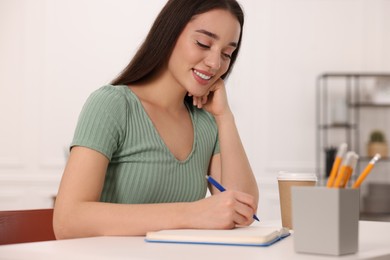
pixel 203 50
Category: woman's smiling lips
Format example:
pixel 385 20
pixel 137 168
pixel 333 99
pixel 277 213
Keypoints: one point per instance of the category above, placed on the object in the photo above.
pixel 201 76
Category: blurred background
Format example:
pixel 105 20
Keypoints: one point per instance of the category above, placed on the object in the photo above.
pixel 311 74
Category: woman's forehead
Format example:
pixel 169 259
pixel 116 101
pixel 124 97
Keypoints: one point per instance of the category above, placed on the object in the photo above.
pixel 219 22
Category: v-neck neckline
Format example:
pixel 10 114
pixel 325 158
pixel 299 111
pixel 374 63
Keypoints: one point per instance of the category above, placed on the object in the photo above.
pixel 157 134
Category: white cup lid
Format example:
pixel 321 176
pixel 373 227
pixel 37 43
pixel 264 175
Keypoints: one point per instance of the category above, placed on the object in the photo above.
pixel 293 176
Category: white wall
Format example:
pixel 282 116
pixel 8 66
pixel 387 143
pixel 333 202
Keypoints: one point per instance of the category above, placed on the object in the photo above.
pixel 55 52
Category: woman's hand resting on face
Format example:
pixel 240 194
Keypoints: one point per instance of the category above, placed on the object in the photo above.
pixel 215 101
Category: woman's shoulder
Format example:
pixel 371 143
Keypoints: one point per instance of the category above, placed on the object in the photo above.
pixel 109 99
pixel 111 95
pixel 110 92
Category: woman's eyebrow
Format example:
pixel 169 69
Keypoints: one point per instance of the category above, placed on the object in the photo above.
pixel 214 36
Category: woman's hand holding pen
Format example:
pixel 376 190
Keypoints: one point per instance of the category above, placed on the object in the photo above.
pixel 223 210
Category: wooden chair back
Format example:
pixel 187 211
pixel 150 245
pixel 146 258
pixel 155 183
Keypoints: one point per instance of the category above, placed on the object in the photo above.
pixel 21 226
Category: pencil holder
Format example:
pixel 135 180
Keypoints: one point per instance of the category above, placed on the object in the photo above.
pixel 326 220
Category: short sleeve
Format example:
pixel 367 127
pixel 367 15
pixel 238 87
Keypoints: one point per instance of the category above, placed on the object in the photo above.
pixel 101 122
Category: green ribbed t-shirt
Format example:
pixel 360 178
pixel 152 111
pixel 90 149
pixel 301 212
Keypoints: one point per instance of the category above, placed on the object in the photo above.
pixel 141 167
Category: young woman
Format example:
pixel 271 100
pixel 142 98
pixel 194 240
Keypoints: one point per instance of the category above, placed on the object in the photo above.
pixel 144 145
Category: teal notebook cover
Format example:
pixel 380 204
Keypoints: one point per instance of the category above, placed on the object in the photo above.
pixel 240 236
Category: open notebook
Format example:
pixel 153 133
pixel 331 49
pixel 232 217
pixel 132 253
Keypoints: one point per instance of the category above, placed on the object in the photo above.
pixel 240 236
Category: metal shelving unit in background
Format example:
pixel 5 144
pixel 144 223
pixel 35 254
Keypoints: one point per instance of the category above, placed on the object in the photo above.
pixel 352 88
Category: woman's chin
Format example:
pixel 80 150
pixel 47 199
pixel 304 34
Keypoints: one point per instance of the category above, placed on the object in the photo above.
pixel 199 93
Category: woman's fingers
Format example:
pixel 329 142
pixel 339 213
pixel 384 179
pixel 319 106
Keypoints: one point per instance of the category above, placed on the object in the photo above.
pixel 199 101
pixel 244 214
pixel 244 208
pixel 239 207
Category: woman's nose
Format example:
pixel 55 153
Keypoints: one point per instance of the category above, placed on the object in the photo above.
pixel 213 60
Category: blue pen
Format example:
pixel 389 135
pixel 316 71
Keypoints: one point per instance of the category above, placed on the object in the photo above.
pixel 221 189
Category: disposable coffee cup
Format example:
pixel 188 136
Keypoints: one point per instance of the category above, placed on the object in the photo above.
pixel 285 181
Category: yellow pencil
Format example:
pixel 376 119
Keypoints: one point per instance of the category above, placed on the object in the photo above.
pixel 336 164
pixel 366 171
pixel 347 177
pixel 346 170
pixel 352 165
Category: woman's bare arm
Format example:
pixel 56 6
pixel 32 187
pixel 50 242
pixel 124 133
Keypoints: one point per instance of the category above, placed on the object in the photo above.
pixel 79 213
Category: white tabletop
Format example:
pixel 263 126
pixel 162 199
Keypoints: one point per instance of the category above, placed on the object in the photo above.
pixel 374 243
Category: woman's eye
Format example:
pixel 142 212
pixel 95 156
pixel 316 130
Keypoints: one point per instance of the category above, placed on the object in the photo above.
pixel 204 46
pixel 228 56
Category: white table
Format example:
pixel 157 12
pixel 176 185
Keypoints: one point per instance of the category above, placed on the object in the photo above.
pixel 374 243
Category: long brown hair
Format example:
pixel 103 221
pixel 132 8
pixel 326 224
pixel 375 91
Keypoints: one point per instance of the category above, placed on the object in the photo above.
pixel 162 37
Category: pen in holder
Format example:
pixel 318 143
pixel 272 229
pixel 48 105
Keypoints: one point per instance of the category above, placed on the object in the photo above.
pixel 326 221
